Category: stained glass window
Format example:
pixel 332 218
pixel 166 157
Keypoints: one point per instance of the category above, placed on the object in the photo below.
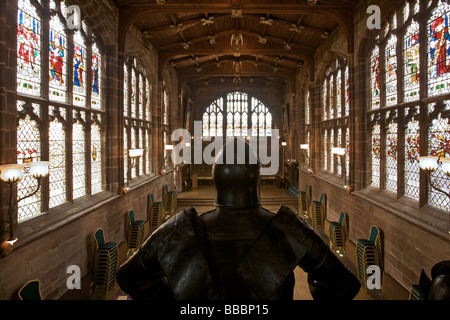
pixel 66 171
pixel 96 78
pixel 412 63
pixel 391 70
pixel 391 155
pixel 57 158
pixel 376 155
pixel 79 66
pixel 58 60
pixel 308 108
pixel 439 146
pixel 412 153
pixel 165 106
pixel 375 78
pixel 347 92
pixel 331 97
pixel 239 110
pixel 125 90
pixel 137 119
pixel 96 159
pixel 330 146
pixel 29 33
pixel 438 50
pixel 28 147
pixel 339 94
pixel 78 160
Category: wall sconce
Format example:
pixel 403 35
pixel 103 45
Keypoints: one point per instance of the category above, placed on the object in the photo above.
pixel 12 174
pixel 341 152
pixel 430 164
pixel 169 147
pixel 305 149
pixel 284 144
pixel 134 155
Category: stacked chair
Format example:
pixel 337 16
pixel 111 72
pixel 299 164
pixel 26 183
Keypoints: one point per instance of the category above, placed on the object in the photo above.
pixel 319 212
pixel 106 261
pixel 154 213
pixel 338 233
pixel 368 252
pixel 414 293
pixel 304 201
pixel 134 231
pixel 31 291
pixel 170 201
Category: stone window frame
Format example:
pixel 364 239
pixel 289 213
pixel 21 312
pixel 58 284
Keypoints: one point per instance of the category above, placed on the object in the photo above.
pixel 72 112
pixel 403 112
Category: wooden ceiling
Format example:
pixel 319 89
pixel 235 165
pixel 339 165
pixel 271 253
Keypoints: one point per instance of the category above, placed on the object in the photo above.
pixel 235 41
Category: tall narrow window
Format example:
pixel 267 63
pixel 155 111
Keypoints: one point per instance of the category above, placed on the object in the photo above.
pixel 391 151
pixel 375 78
pixel 137 119
pixel 412 153
pixel 55 110
pixel 412 63
pixel 29 35
pixel 391 67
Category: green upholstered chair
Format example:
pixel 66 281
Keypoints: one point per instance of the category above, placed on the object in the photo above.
pixel 304 201
pixel 155 213
pixel 319 212
pixel 368 252
pixel 338 233
pixel 31 291
pixel 107 259
pixel 135 231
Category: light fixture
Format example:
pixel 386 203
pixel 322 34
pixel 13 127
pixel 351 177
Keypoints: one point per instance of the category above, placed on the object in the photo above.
pixel 341 152
pixel 429 164
pixel 304 146
pixel 284 144
pixel 169 147
pixel 134 155
pixel 12 174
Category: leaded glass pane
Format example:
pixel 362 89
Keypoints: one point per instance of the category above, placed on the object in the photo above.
pixel 28 148
pixel 331 97
pixel 28 49
pixel 125 90
pixel 57 168
pixel 141 97
pixel 58 60
pixel 331 145
pixel 391 157
pixel 438 51
pixel 165 107
pixel 347 93
pixel 339 94
pixel 325 151
pixel 308 108
pixel 78 160
pixel 376 155
pixel 79 66
pixel 96 159
pixel 325 100
pixel 133 93
pixel 375 78
pixel 96 70
pixel 412 153
pixel 412 63
pixel 439 146
pixel 147 102
pixel 391 71
pixel 125 153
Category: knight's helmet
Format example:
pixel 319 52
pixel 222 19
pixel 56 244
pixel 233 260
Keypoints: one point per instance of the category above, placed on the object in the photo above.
pixel 236 173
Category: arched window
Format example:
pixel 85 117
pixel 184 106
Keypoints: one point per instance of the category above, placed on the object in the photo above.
pixel 136 108
pixel 63 119
pixel 398 72
pixel 233 115
pixel 335 112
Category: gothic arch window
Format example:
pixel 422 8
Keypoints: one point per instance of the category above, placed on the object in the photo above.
pixel 335 113
pixel 137 118
pixel 409 105
pixel 237 114
pixel 55 110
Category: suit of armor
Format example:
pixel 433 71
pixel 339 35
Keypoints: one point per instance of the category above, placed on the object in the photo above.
pixel 237 251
